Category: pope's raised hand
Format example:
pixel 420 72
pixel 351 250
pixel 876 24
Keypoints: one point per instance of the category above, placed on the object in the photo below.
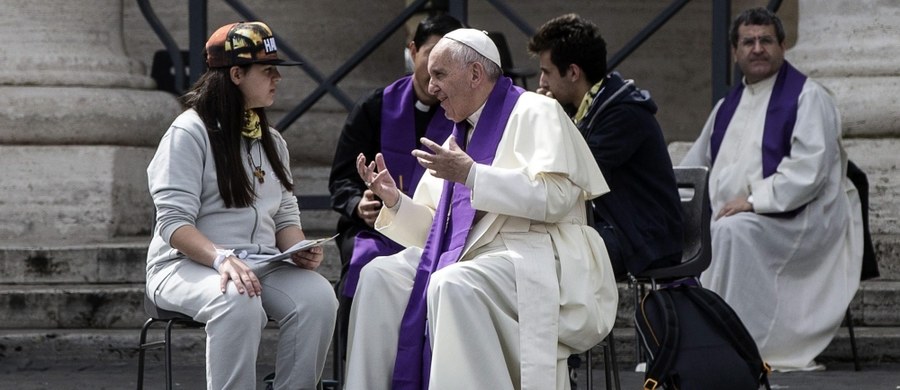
pixel 378 179
pixel 450 163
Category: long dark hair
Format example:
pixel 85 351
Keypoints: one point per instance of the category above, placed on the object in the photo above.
pixel 220 105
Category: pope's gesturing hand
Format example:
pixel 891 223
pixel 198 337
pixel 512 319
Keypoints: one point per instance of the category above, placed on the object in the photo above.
pixel 378 179
pixel 450 163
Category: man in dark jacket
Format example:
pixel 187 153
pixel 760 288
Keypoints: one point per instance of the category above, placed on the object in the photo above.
pixel 640 218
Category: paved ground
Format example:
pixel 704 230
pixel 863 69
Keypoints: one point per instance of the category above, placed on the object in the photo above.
pixel 837 377
pixel 89 375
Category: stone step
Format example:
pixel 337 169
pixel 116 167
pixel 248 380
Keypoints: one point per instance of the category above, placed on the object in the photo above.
pixel 875 304
pixel 42 347
pixel 37 348
pixel 72 306
pixel 874 345
pixel 123 261
pixel 117 306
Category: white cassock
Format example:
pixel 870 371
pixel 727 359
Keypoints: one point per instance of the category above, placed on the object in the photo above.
pixel 789 279
pixel 533 285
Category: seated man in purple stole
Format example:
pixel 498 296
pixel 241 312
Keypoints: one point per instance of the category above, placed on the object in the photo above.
pixel 390 121
pixel 786 228
pixel 500 279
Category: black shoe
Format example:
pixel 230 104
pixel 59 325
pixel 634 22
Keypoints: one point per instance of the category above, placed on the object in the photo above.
pixel 574 363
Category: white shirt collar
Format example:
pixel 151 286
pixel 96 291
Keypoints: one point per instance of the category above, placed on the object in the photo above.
pixel 761 85
pixel 422 106
pixel 473 119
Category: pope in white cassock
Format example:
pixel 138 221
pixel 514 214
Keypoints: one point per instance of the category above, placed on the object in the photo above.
pixel 787 228
pixel 501 279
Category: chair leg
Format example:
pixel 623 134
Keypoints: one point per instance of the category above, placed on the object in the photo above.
pixel 338 357
pixel 589 370
pixel 610 365
pixel 607 365
pixel 637 290
pixel 141 352
pixel 849 319
pixel 613 362
pixel 168 348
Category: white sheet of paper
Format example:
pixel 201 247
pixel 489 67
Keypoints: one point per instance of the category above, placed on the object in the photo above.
pixel 302 245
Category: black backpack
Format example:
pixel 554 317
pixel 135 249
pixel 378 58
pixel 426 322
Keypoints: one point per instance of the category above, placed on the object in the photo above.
pixel 696 341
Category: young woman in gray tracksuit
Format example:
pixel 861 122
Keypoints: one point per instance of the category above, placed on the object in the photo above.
pixel 223 192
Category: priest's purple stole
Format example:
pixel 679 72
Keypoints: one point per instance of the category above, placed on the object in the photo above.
pixel 781 114
pixel 398 139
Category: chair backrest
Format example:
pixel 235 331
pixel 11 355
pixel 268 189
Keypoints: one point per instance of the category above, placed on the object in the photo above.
pixel 869 260
pixel 697 251
pixel 163 72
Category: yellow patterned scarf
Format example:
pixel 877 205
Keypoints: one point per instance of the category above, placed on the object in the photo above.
pixel 251 128
pixel 587 100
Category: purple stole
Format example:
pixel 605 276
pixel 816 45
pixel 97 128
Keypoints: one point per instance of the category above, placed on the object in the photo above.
pixel 447 236
pixel 780 117
pixel 398 139
pixel 781 114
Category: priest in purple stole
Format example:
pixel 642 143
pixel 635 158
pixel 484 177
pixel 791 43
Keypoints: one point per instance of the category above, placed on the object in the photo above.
pixel 501 278
pixel 396 144
pixel 786 229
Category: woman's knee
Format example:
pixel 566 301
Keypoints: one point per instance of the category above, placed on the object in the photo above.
pixel 238 310
pixel 321 297
pixel 309 296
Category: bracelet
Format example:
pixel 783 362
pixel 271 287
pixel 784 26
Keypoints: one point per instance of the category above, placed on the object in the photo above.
pixel 221 255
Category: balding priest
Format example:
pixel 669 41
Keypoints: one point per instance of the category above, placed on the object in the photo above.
pixel 501 279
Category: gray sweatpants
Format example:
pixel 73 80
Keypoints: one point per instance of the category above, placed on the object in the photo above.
pixel 302 302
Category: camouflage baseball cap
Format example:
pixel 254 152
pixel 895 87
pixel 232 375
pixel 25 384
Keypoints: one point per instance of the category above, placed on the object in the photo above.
pixel 243 43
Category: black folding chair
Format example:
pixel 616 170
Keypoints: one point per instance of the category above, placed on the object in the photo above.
pixel 170 319
pixel 697 244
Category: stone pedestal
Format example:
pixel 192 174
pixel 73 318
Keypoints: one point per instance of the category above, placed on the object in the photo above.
pixel 55 195
pixel 79 121
pixel 851 48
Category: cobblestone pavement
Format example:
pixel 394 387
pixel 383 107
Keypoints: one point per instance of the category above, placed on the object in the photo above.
pixel 123 375
pixel 836 377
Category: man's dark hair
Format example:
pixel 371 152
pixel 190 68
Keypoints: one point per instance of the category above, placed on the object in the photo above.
pixel 572 40
pixel 756 17
pixel 435 25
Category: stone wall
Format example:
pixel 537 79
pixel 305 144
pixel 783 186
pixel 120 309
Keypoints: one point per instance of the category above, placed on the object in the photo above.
pixel 80 79
pixel 674 64
pixel 78 121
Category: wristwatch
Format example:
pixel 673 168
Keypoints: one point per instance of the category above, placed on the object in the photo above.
pixel 750 200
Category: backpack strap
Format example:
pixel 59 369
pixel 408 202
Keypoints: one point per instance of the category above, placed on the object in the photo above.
pixel 716 308
pixel 659 366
